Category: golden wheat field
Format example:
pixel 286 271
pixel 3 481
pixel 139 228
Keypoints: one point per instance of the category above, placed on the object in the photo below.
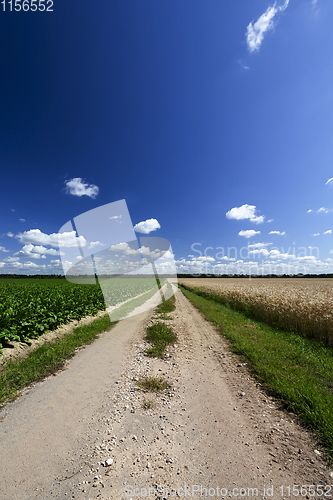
pixel 303 306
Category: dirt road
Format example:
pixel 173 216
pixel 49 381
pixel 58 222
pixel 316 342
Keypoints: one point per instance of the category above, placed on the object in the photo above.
pixel 214 434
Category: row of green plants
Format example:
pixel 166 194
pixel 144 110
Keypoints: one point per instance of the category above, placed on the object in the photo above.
pixel 29 308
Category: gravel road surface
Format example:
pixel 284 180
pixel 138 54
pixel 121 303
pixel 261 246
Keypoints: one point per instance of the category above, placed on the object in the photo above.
pixel 89 433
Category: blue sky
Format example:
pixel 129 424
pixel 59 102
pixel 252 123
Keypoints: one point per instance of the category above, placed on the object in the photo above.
pixel 213 118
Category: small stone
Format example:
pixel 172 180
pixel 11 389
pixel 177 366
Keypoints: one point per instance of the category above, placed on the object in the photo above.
pixel 300 451
pixel 317 452
pixel 331 474
pixel 135 438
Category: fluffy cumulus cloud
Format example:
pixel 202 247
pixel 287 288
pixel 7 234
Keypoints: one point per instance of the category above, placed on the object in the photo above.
pixel 35 252
pixel 3 249
pixel 147 226
pixel 329 231
pixel 256 32
pixel 36 237
pixel 249 233
pixel 77 187
pixel 259 252
pixel 245 212
pixel 278 232
pixel 259 245
pixel 95 244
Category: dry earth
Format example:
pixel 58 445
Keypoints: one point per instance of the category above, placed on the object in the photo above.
pixel 214 432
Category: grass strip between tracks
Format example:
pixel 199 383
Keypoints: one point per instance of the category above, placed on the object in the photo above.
pixel 159 334
pixel 296 370
pixel 47 359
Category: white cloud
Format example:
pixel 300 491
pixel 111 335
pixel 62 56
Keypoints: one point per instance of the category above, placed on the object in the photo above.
pixel 259 245
pixel 309 211
pixel 249 233
pixel 43 250
pixel 245 212
pixel 256 32
pixel 316 234
pixel 278 232
pixel 266 262
pixel 260 251
pixel 35 236
pixel 35 252
pixel 11 259
pixel 77 187
pixel 3 249
pixel 244 65
pixel 276 254
pixel 9 234
pixel 95 244
pixel 330 181
pixel 323 210
pixel 328 232
pixel 147 226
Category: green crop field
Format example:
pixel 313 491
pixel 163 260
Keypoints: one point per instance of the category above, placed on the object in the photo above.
pixel 31 307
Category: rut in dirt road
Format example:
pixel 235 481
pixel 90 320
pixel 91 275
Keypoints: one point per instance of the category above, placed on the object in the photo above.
pixel 90 433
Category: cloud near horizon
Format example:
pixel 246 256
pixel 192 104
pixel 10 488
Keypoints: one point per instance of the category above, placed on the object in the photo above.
pixel 256 32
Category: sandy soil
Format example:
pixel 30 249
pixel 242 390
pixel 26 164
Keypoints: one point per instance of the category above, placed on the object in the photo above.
pixel 214 432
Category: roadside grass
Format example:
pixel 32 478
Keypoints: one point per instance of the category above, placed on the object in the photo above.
pixel 159 335
pixel 46 360
pixel 296 370
pixel 153 384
